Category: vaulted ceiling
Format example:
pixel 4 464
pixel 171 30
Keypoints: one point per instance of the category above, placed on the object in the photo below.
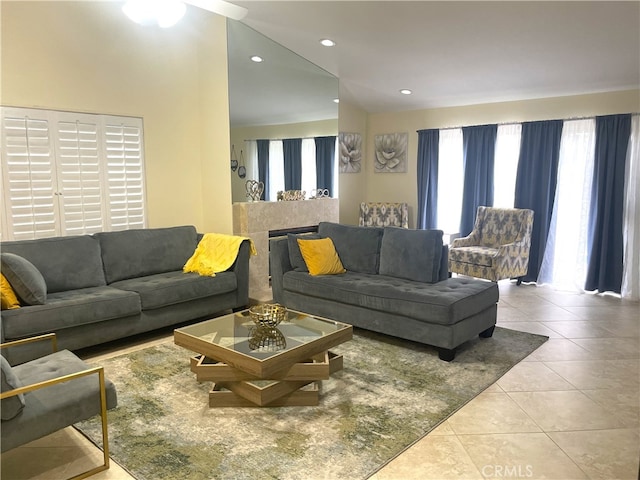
pixel 454 53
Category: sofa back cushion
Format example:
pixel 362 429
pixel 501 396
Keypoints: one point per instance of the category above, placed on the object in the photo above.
pixel 411 254
pixel 65 263
pixel 357 247
pixel 141 252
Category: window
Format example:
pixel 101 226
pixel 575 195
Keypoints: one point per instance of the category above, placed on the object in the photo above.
pixel 68 173
pixel 564 264
pixel 276 167
pixel 506 165
pixel 450 180
pixel 309 177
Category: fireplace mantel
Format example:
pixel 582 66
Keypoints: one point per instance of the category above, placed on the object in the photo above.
pixel 256 219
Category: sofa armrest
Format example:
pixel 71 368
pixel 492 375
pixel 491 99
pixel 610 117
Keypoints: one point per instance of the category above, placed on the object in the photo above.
pixel 515 248
pixel 472 239
pixel 39 338
pixel 17 355
pixel 444 263
pixel 279 264
pixel 241 269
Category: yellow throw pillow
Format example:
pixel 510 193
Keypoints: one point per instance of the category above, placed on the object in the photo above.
pixel 8 297
pixel 320 256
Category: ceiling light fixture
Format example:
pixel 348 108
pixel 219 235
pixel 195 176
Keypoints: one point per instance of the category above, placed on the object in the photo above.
pixel 164 13
pixel 257 59
pixel 336 100
pixel 406 91
pixel 327 42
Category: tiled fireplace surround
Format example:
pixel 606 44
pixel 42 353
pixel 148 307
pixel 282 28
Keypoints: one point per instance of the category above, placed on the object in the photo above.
pixel 257 219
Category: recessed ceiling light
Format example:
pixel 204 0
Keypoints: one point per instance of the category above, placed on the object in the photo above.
pixel 336 100
pixel 257 59
pixel 327 42
pixel 406 91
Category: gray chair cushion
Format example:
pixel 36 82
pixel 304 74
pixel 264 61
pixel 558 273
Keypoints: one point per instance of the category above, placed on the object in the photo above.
pixel 411 254
pixel 357 247
pixel 52 256
pixel 170 288
pixel 295 257
pixel 11 406
pixel 142 252
pixel 25 279
pixel 70 309
pixel 49 409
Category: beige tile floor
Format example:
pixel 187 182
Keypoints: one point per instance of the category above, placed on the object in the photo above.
pixel 571 410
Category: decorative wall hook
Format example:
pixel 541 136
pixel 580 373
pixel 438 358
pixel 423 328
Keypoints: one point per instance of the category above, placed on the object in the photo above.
pixel 242 170
pixel 234 160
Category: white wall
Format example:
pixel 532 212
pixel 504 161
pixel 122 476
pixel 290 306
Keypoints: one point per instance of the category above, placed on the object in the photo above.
pixel 353 186
pixel 88 57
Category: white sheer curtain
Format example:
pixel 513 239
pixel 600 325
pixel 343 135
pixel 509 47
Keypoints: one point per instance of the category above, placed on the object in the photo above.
pixel 565 259
pixel 309 175
pixel 251 159
pixel 276 169
pixel 631 265
pixel 506 165
pixel 450 180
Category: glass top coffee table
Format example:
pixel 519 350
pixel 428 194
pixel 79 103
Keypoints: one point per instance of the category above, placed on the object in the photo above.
pixel 258 366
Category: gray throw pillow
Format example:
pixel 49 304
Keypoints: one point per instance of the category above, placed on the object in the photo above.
pixel 295 257
pixel 11 406
pixel 411 254
pixel 25 279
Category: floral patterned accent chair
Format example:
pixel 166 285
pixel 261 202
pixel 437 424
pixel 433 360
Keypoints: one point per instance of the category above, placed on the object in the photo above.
pixel 384 215
pixel 497 247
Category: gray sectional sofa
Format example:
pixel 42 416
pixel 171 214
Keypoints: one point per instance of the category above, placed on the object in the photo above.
pixel 111 285
pixel 396 283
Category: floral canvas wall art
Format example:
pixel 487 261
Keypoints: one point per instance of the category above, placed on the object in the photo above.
pixel 350 145
pixel 391 153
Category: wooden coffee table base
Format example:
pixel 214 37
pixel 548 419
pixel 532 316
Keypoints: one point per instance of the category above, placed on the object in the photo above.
pixel 297 386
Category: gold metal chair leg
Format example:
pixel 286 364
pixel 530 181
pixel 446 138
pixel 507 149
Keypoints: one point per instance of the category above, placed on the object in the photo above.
pixel 105 432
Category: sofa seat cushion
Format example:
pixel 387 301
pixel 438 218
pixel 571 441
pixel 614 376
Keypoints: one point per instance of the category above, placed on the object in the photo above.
pixel 69 309
pixel 446 302
pixel 477 255
pixel 170 288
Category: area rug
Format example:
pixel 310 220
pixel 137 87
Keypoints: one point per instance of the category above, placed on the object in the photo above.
pixel 389 395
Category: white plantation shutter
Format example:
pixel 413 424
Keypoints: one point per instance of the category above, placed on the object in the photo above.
pixel 28 176
pixel 79 181
pixel 125 173
pixel 67 173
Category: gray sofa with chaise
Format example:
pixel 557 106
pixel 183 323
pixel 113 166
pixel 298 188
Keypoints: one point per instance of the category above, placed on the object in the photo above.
pixel 396 283
pixel 91 289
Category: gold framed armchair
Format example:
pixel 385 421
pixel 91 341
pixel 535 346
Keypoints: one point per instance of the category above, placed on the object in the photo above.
pixel 50 393
pixel 382 214
pixel 497 247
